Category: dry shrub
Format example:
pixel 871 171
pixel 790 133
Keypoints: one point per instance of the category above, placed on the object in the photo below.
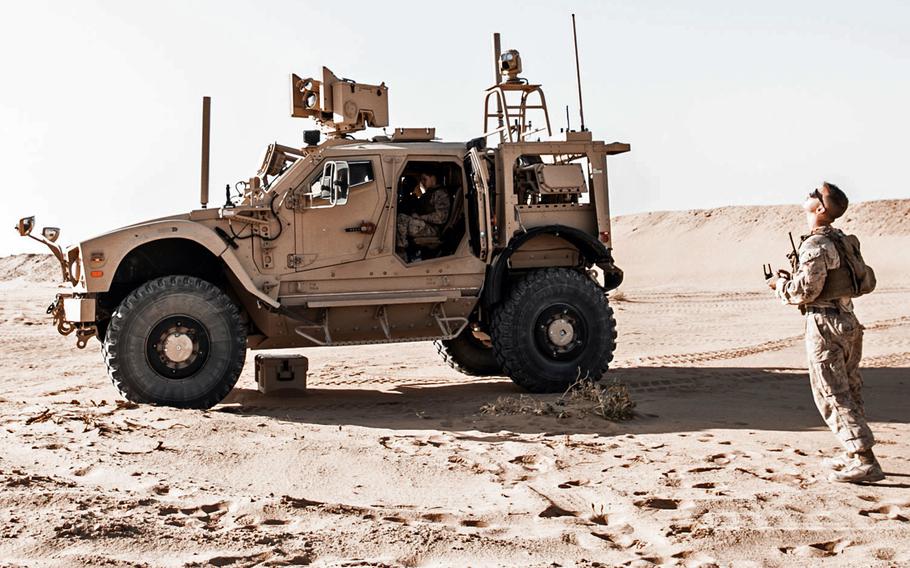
pixel 522 404
pixel 610 402
pixel 618 296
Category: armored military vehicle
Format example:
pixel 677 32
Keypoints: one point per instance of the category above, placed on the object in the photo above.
pixel 317 249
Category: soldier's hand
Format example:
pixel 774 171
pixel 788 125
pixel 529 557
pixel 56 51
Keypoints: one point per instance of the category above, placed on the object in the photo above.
pixel 772 283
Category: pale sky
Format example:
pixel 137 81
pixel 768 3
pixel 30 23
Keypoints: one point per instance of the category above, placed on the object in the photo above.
pixel 724 103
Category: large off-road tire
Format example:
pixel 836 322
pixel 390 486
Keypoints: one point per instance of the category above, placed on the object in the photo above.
pixel 554 327
pixel 468 355
pixel 175 341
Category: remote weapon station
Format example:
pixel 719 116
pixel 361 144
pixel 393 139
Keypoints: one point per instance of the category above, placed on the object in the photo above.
pixel 499 249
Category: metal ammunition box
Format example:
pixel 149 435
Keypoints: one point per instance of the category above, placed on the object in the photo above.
pixel 281 372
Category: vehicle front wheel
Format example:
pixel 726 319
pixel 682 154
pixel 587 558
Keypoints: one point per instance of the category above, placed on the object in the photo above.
pixel 554 327
pixel 175 341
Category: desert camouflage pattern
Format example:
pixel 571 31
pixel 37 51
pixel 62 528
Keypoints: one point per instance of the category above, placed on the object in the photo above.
pixel 817 255
pixel 834 343
pixel 309 251
pixel 429 224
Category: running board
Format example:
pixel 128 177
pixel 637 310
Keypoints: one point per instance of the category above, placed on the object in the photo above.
pixel 369 299
pixel 449 327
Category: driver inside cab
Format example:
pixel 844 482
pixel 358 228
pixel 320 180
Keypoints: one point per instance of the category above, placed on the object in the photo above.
pixel 430 212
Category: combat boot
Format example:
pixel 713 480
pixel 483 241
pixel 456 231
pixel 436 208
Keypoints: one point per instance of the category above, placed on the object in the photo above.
pixel 864 469
pixel 840 462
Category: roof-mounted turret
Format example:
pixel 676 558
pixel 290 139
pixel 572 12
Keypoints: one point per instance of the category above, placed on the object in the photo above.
pixel 340 105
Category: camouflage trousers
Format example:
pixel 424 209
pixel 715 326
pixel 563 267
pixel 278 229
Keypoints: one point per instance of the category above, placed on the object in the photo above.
pixel 834 343
pixel 413 227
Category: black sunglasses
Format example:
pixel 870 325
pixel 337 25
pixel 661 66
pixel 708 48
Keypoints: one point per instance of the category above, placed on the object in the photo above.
pixel 818 195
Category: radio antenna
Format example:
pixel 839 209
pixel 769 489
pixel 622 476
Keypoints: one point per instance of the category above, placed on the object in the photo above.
pixel 581 106
pixel 206 128
pixel 568 122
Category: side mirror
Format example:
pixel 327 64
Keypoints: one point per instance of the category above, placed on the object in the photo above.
pixel 325 183
pixel 26 224
pixel 341 183
pixel 51 233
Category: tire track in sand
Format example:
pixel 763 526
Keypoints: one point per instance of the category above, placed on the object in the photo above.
pixel 685 359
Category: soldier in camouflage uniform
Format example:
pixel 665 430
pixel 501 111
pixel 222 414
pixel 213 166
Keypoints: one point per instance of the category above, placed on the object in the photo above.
pixel 432 212
pixel 834 338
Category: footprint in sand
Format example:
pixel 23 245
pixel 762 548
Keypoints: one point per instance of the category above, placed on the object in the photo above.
pixel 616 541
pixel 438 517
pixel 694 558
pixel 819 549
pixel 885 512
pixel 619 537
pixel 574 483
pixel 657 503
pixel 703 469
pixel 555 510
pixel 207 514
pixel 526 460
pixel 722 459
pixel 678 530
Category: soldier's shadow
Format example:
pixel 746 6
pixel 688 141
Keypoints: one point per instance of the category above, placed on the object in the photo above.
pixel 668 399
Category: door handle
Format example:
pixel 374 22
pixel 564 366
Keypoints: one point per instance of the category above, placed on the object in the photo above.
pixel 365 227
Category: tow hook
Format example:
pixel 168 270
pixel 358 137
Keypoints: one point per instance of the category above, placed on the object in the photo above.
pixel 84 334
pixel 84 331
pixel 56 310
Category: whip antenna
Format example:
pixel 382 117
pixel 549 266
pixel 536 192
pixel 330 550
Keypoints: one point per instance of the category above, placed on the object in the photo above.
pixel 581 106
pixel 206 129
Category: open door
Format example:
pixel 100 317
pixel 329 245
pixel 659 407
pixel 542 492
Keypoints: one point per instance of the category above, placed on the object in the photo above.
pixel 479 205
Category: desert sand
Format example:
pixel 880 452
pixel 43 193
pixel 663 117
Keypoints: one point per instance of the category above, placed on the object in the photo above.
pixel 387 460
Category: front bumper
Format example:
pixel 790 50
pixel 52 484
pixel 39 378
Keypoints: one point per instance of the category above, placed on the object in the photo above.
pixel 75 312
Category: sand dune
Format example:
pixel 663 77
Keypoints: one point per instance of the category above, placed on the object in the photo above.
pixel 388 460
pixel 724 248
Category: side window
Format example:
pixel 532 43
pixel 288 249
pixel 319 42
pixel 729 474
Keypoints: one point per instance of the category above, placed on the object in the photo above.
pixel 361 172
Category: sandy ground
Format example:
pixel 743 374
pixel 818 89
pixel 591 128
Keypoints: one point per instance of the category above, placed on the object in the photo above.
pixel 387 460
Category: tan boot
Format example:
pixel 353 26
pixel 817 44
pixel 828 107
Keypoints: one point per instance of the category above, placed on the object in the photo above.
pixel 858 472
pixel 840 462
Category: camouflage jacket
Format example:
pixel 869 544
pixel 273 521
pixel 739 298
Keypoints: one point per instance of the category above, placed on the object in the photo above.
pixel 817 255
pixel 434 206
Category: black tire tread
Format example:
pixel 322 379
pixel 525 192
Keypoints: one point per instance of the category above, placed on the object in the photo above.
pixel 509 354
pixel 112 355
pixel 454 358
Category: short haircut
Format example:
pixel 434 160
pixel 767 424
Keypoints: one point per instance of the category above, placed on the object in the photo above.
pixel 836 199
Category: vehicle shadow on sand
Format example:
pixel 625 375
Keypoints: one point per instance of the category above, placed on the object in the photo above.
pixel 668 399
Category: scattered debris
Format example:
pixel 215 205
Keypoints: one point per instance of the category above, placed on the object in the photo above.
pixel 612 402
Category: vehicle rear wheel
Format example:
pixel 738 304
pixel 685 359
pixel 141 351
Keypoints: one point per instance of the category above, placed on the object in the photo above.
pixel 554 327
pixel 468 355
pixel 175 341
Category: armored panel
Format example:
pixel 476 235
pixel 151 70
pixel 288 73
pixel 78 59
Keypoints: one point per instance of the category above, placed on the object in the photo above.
pixel 559 178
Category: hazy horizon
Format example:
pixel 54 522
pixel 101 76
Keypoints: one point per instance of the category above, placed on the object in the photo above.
pixel 722 104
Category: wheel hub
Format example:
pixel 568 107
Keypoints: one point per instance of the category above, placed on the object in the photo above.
pixel 177 347
pixel 561 332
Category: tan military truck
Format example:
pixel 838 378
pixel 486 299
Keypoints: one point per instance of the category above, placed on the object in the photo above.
pixel 513 282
